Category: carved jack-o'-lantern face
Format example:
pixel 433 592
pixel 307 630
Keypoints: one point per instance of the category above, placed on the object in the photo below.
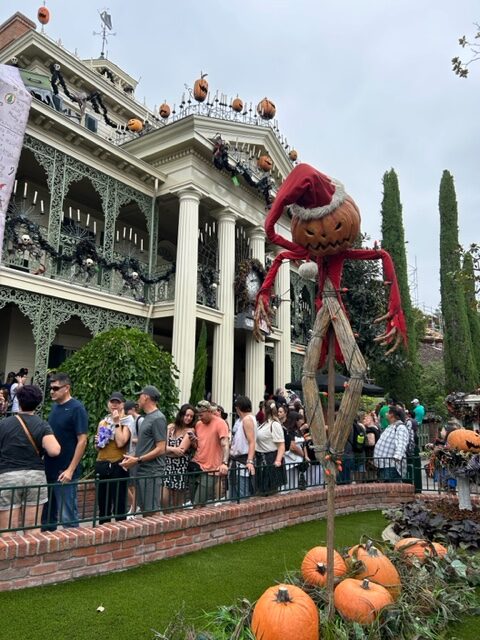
pixel 333 233
pixel 134 125
pixel 164 110
pixel 43 15
pixel 464 440
pixel 200 88
pixel 265 163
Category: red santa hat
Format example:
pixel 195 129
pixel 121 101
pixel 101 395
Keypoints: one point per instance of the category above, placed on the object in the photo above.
pixel 311 195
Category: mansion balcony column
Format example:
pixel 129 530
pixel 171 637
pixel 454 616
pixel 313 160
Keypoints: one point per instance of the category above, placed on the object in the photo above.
pixel 223 337
pixel 183 339
pixel 283 355
pixel 255 351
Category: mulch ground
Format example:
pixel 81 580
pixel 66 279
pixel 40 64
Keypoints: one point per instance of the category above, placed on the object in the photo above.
pixel 450 510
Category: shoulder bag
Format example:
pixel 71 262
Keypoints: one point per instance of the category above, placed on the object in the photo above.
pixel 28 434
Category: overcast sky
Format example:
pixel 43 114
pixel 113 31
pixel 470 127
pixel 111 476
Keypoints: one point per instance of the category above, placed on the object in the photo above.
pixel 361 86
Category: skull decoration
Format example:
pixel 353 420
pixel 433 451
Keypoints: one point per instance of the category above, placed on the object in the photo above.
pixel 26 239
pixel 330 234
pixel 89 263
pixel 134 275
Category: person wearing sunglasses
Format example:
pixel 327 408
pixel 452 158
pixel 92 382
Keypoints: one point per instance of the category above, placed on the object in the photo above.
pixel 69 421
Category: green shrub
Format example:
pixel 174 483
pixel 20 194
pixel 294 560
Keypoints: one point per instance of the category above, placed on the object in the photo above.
pixel 123 360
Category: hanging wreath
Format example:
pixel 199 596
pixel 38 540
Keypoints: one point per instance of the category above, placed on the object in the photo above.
pixel 244 290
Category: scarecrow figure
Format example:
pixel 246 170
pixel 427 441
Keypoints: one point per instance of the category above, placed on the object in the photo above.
pixel 325 224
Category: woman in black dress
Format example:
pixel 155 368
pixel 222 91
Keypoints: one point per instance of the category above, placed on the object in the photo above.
pixel 180 445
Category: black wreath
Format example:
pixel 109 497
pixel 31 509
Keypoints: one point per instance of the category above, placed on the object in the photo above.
pixel 84 249
pixel 240 285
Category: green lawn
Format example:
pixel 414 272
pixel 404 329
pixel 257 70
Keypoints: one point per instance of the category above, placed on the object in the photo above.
pixel 148 597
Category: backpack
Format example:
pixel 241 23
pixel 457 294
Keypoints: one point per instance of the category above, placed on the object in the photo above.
pixel 359 437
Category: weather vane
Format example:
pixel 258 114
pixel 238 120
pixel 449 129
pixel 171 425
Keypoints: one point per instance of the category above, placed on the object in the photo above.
pixel 106 27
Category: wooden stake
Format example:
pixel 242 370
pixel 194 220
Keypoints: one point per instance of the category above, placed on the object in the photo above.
pixel 331 480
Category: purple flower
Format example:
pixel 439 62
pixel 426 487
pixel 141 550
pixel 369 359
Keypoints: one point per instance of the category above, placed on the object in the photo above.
pixel 105 434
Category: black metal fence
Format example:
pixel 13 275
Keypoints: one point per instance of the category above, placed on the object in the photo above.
pixel 97 501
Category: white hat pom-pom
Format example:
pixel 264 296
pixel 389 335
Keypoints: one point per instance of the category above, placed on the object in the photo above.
pixel 308 270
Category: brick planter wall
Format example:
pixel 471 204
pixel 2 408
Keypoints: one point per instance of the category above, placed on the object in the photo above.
pixel 46 558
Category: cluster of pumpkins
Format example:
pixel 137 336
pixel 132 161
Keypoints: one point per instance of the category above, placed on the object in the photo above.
pixel 286 611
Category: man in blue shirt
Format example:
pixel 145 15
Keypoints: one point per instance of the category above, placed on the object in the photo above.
pixel 69 421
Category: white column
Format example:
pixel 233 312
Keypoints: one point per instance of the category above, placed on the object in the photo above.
pixel 255 351
pixel 183 340
pixel 283 356
pixel 223 336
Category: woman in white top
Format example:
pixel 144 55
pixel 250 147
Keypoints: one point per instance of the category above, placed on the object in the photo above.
pixel 20 380
pixel 269 452
pixel 242 450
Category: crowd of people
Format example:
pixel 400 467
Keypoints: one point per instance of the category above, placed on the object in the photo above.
pixel 144 465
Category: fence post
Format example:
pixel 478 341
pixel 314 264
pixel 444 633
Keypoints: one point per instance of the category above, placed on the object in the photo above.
pixel 96 483
pixel 417 470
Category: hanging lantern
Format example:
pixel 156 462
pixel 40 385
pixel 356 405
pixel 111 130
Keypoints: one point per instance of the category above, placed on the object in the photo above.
pixel 293 155
pixel 265 163
pixel 237 105
pixel 134 125
pixel 200 88
pixel 43 15
pixel 266 109
pixel 164 110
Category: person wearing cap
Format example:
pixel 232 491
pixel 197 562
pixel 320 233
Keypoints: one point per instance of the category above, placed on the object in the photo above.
pixel 69 421
pixel 149 456
pixel 212 454
pixel 419 411
pixel 111 441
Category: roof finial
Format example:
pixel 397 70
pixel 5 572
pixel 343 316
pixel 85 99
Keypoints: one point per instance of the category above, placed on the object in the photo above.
pixel 106 19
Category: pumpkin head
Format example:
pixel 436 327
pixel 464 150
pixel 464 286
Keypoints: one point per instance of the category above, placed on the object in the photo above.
pixel 376 567
pixel 266 109
pixel 43 15
pixel 464 440
pixel 164 110
pixel 293 155
pixel 286 612
pixel 134 125
pixel 200 88
pixel 360 601
pixel 265 163
pixel 420 549
pixel 237 105
pixel 330 234
pixel 314 566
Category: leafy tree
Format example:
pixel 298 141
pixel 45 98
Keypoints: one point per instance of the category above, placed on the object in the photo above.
pixel 197 391
pixel 459 67
pixel 472 306
pixel 431 387
pixel 364 301
pixel 123 360
pixel 399 375
pixel 460 369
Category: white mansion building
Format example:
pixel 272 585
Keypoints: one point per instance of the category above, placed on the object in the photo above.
pixel 169 226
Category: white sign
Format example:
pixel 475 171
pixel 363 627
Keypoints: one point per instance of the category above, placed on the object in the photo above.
pixel 15 103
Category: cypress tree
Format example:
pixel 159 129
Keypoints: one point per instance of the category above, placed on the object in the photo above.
pixel 460 370
pixel 398 375
pixel 197 391
pixel 472 307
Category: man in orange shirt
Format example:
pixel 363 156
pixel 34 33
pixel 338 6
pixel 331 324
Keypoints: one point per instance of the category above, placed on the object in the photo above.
pixel 212 454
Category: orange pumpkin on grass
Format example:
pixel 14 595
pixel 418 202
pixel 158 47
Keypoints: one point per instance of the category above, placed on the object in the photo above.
pixel 420 549
pixel 360 601
pixel 314 566
pixel 285 612
pixel 377 568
